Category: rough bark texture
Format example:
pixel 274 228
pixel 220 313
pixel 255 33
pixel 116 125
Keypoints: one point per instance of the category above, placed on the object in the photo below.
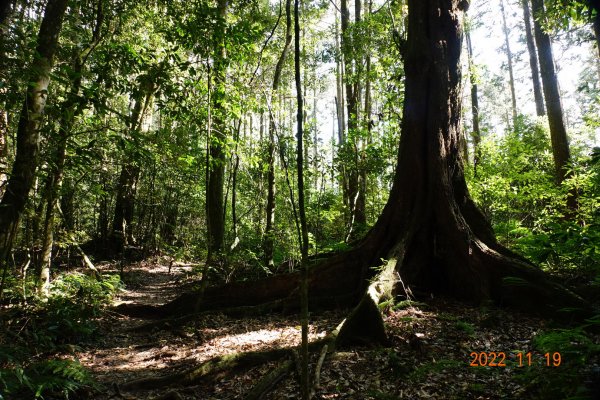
pixel 430 230
pixel 558 132
pixel 533 61
pixel 216 173
pixel 30 123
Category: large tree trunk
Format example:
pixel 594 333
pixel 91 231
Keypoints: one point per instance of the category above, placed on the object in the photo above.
pixel 216 172
pixel 30 123
pixel 533 61
pixel 268 243
pixel 558 132
pixel 430 232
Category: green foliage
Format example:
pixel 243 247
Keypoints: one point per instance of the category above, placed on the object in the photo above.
pixel 56 378
pixel 515 188
pixel 566 380
pixel 465 327
pixel 35 338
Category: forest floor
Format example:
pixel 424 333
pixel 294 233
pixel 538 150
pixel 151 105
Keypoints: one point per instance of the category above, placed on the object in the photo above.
pixel 432 347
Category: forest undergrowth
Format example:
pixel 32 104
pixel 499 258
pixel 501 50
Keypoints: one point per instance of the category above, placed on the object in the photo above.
pixel 438 348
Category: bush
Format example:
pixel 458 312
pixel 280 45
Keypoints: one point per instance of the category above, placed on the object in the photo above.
pixel 36 337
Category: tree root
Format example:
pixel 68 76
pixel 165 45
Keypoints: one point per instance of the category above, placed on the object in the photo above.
pixel 209 369
pixel 269 381
pixel 230 363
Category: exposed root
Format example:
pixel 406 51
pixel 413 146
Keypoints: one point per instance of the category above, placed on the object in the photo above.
pixel 269 381
pixel 208 369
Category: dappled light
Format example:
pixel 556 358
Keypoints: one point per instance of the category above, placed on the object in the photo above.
pixel 293 199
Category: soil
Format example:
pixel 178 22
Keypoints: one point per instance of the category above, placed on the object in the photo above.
pixel 433 345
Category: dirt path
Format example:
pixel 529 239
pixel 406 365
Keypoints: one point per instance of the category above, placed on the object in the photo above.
pixel 430 355
pixel 124 352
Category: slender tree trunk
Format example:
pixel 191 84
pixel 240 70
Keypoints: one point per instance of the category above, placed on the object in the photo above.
pixel 558 132
pixel 300 169
pixel 533 61
pixel 5 13
pixel 474 105
pixel 511 78
pixel 71 108
pixel 361 198
pixel 30 122
pixel 268 242
pixel 341 114
pixel 595 11
pixel 218 135
pixel 234 174
pixel 350 153
pixel 122 226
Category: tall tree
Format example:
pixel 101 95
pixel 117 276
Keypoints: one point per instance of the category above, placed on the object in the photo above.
pixel 352 74
pixel 511 77
pixel 558 131
pixel 122 226
pixel 71 108
pixel 268 245
pixel 431 234
pixel 30 123
pixel 474 103
pixel 533 60
pixel 301 209
pixel 5 13
pixel 218 135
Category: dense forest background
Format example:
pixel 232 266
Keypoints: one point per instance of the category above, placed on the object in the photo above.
pixel 249 139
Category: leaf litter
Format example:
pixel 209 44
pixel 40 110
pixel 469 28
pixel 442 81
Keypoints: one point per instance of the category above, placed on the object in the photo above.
pixel 428 358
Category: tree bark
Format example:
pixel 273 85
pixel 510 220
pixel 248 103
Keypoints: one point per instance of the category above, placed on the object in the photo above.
pixel 71 108
pixel 511 78
pixel 268 241
pixel 349 149
pixel 30 122
pixel 304 384
pixel 122 225
pixel 5 13
pixel 594 7
pixel 218 135
pixel 558 132
pixel 533 61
